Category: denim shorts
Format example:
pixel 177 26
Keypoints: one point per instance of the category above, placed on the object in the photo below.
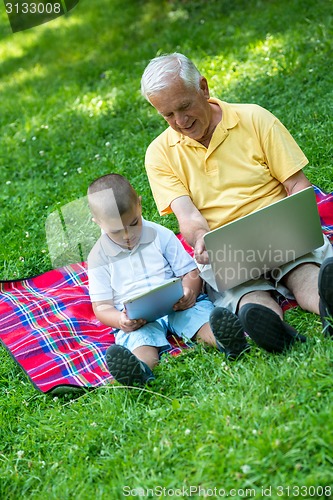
pixel 184 324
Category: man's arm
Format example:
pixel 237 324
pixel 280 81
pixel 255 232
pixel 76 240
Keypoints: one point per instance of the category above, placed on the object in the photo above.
pixel 296 182
pixel 192 225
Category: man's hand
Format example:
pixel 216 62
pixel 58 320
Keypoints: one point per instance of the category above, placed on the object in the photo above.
pixel 188 300
pixel 192 225
pixel 130 325
pixel 200 252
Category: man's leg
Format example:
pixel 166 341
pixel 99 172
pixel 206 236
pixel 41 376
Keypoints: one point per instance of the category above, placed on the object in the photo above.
pixel 325 285
pixel 303 283
pixel 261 297
pixel 262 319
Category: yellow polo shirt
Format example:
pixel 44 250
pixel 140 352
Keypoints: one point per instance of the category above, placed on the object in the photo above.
pixel 249 156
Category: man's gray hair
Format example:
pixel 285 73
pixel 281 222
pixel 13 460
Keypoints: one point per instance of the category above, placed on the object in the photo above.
pixel 164 69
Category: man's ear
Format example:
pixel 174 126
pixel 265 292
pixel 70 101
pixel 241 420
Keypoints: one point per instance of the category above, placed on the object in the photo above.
pixel 204 87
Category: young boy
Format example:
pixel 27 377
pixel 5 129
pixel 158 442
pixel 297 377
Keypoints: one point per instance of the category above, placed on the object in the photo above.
pixel 132 256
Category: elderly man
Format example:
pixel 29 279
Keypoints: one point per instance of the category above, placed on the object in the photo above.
pixel 219 161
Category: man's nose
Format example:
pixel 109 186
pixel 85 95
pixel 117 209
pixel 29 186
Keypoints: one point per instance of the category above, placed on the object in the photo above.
pixel 181 119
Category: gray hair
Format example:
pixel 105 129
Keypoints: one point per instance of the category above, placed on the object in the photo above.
pixel 163 69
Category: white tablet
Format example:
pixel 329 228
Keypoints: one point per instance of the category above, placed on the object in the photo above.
pixel 155 303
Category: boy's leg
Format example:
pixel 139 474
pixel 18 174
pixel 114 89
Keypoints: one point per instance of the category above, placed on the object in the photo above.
pixel 126 367
pixel 205 335
pixel 130 361
pixel 216 326
pixel 228 332
pixel 148 354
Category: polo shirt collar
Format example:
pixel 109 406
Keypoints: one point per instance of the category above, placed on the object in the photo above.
pixel 229 120
pixel 148 235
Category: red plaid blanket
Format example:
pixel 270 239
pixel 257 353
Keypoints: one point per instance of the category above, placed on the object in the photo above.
pixel 48 326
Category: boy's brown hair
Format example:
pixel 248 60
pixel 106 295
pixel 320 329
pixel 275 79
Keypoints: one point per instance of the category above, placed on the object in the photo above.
pixel 111 195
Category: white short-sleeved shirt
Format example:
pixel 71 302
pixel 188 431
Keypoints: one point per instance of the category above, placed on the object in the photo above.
pixel 118 274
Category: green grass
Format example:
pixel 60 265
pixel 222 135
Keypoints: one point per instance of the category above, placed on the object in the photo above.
pixel 71 111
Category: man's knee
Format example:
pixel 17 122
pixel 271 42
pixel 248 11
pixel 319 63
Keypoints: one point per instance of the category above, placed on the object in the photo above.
pixel 255 297
pixel 262 297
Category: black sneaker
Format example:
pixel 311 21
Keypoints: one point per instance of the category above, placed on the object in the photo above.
pixel 325 286
pixel 126 368
pixel 267 329
pixel 228 332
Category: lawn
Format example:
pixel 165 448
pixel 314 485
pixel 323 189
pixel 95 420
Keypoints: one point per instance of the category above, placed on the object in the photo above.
pixel 71 111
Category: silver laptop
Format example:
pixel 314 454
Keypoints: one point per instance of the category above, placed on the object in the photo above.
pixel 264 240
pixel 155 303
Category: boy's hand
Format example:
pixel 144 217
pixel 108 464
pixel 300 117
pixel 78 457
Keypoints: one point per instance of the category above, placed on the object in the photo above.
pixel 188 300
pixel 130 325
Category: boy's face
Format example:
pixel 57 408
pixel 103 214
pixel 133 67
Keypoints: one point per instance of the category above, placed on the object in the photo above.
pixel 125 231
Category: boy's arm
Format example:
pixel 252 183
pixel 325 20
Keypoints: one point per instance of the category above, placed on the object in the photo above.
pixel 107 314
pixel 192 285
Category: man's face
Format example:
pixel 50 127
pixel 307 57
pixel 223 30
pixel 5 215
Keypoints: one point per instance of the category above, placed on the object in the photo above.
pixel 186 109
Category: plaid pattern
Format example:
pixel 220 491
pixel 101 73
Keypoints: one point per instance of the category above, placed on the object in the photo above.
pixel 325 208
pixel 48 326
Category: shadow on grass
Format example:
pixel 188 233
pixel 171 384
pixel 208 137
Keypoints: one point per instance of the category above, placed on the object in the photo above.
pixel 106 36
pixel 80 75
